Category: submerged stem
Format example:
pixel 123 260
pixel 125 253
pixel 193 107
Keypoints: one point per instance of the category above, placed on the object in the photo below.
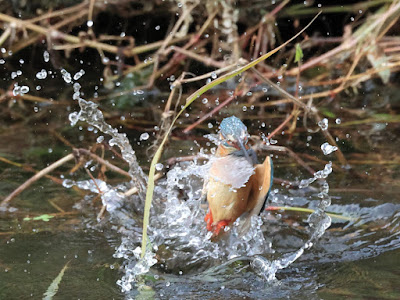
pixel 307 210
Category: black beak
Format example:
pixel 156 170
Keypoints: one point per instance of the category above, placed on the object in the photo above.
pixel 244 151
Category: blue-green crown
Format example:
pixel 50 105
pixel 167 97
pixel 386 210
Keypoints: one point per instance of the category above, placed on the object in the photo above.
pixel 234 127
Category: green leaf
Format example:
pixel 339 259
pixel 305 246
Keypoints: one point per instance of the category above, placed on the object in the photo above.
pixel 299 54
pixel 190 100
pixel 44 218
pixel 328 113
pixel 53 287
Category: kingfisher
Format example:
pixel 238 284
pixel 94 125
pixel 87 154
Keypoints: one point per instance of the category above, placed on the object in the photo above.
pixel 237 185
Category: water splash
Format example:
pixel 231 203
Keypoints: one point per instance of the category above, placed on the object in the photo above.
pixel 318 221
pixel 322 174
pixel 178 239
pixel 93 116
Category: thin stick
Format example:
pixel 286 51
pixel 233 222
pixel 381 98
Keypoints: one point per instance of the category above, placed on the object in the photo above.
pixel 60 12
pixel 56 206
pixel 350 44
pixel 279 128
pixel 292 154
pixel 208 61
pixel 209 114
pixel 88 43
pixel 103 161
pixel 5 35
pixel 279 89
pixel 90 15
pixel 134 190
pixel 36 177
pixel 208 75
pixel 29 169
pixel 314 113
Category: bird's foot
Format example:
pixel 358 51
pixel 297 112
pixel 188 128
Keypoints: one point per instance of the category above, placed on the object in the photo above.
pixel 215 228
pixel 220 225
pixel 209 220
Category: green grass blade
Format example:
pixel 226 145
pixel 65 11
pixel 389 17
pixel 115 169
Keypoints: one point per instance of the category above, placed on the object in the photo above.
pixel 190 99
pixel 308 210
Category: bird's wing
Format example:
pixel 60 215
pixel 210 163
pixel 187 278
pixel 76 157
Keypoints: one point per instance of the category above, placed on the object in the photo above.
pixel 261 186
pixel 261 183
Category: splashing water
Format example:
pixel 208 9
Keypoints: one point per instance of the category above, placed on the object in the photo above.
pixel 318 221
pixel 94 117
pixel 177 231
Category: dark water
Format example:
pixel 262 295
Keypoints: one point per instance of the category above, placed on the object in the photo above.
pixel 357 258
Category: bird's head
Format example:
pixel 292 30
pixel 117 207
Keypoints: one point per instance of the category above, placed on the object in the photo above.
pixel 233 135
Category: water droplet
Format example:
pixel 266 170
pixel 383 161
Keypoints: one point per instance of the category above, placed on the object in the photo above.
pixel 327 148
pixel 73 118
pixel 204 100
pixel 323 124
pixel 338 121
pixel 66 76
pixel 159 166
pixel 16 90
pixel 24 89
pixel 42 74
pixel 79 74
pixel 46 56
pixel 144 136
pixel 89 23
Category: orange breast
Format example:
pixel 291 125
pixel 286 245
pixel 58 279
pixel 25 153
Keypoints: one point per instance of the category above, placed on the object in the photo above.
pixel 235 187
pixel 226 204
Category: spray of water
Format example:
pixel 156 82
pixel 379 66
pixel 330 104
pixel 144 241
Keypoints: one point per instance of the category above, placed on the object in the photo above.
pixel 177 234
pixel 93 116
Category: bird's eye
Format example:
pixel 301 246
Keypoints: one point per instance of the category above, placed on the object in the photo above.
pixel 228 143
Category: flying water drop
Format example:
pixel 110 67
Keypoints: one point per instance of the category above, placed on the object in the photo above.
pixel 327 148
